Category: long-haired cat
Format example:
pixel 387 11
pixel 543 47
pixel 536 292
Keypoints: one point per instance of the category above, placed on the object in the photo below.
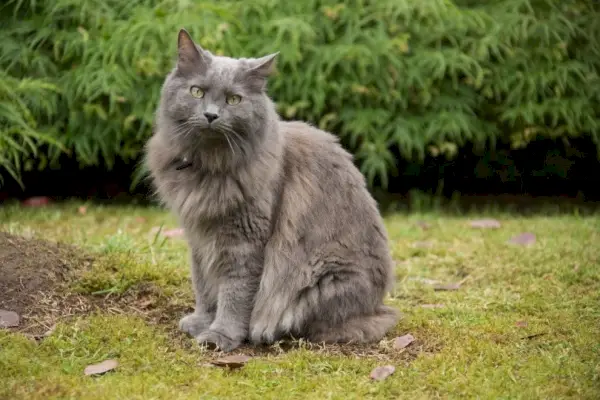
pixel 284 238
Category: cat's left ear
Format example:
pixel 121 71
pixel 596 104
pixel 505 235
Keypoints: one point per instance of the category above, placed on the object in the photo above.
pixel 260 69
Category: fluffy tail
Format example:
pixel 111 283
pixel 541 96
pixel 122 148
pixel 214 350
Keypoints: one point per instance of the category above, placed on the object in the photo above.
pixel 360 329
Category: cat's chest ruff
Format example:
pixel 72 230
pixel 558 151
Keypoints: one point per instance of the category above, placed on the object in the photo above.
pixel 205 196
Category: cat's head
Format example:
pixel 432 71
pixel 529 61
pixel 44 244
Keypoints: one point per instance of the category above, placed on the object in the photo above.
pixel 216 101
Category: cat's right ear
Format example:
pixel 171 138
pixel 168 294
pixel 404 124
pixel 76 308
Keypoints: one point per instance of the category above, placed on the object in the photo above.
pixel 191 58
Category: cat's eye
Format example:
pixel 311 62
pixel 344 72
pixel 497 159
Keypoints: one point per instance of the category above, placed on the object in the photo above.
pixel 233 99
pixel 197 92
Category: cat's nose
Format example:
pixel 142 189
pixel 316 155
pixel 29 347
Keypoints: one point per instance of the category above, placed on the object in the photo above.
pixel 210 116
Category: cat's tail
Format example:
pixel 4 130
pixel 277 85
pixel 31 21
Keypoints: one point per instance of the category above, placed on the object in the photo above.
pixel 360 329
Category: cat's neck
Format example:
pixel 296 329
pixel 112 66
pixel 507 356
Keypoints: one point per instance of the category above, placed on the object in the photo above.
pixel 226 159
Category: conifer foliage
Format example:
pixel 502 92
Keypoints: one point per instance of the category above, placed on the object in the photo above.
pixel 82 77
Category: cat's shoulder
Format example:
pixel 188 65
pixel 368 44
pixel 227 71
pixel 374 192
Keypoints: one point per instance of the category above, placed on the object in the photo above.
pixel 302 137
pixel 311 151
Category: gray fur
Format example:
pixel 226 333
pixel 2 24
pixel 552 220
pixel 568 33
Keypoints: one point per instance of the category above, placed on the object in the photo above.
pixel 284 237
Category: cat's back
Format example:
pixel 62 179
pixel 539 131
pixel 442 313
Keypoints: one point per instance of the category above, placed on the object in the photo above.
pixel 322 186
pixel 318 153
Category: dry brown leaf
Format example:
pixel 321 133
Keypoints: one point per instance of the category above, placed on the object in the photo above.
pixel 485 223
pixel 380 373
pixel 447 286
pixel 524 239
pixel 8 319
pixel 402 341
pixel 233 362
pixel 101 368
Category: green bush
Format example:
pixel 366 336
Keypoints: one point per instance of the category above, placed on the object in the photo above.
pixel 82 77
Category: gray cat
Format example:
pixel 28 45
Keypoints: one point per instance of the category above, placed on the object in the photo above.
pixel 284 238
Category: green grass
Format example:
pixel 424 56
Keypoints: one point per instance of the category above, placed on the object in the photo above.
pixel 470 348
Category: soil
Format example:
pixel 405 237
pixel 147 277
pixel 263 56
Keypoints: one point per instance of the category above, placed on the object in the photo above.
pixel 35 278
pixel 33 274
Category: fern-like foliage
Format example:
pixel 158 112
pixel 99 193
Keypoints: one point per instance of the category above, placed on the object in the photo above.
pixel 388 76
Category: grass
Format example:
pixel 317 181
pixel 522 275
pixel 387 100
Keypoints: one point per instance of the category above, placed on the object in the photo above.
pixel 524 324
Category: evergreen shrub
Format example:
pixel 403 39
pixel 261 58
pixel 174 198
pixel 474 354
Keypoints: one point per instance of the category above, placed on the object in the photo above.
pixel 81 78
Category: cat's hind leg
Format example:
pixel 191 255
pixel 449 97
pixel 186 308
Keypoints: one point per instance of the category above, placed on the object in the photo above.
pixel 359 329
pixel 340 308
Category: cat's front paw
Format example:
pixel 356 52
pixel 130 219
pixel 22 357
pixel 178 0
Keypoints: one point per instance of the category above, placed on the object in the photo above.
pixel 216 340
pixel 194 324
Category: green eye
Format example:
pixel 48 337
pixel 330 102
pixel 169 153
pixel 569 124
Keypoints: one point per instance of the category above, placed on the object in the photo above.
pixel 233 100
pixel 197 92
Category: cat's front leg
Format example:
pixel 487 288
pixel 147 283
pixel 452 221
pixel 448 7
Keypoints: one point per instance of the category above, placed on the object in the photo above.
pixel 200 320
pixel 195 323
pixel 234 306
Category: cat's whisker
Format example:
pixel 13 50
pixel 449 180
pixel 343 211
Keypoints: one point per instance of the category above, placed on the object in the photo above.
pixel 184 129
pixel 229 142
pixel 235 136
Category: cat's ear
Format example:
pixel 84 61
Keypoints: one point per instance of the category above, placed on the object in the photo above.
pixel 259 69
pixel 263 66
pixel 191 58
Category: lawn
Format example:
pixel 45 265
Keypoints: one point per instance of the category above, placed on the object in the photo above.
pixel 524 322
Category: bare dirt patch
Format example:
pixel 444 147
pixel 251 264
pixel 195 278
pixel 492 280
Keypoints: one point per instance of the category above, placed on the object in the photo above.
pixel 32 274
pixel 35 278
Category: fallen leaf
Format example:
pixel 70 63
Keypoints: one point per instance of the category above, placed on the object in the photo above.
pixel 521 324
pixel 101 368
pixel 447 286
pixel 433 305
pixel 423 225
pixel 8 319
pixel 380 373
pixel 524 239
pixel 82 210
pixel 233 362
pixel 485 224
pixel 37 201
pixel 402 341
pixel 177 232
